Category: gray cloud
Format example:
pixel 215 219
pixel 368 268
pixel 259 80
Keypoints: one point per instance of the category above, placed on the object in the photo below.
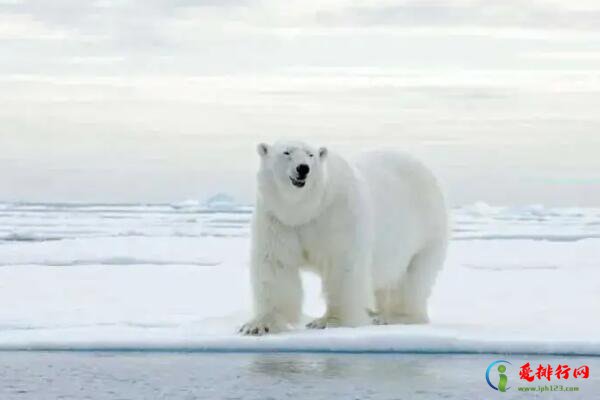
pixel 138 18
pixel 189 80
pixel 134 24
pixel 507 13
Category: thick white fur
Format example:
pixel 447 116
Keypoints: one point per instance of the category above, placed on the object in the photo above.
pixel 375 231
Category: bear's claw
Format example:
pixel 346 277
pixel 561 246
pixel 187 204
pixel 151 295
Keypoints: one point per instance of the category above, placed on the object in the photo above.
pixel 252 330
pixel 402 319
pixel 262 326
pixel 324 322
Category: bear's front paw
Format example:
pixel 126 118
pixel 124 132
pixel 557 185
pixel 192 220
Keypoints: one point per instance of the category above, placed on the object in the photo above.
pixel 262 325
pixel 324 322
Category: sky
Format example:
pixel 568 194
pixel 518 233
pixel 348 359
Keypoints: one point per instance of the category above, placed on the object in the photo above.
pixel 159 101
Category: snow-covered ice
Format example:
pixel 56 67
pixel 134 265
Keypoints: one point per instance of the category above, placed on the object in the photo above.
pixel 134 276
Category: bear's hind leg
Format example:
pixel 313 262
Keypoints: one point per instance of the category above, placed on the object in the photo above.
pixel 415 286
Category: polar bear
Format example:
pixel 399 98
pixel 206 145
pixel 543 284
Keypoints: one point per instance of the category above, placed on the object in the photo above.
pixel 374 230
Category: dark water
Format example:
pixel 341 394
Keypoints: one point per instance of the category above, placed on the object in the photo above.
pixel 98 375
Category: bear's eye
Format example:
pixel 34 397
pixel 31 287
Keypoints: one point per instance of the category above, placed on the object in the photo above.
pixel 287 153
pixel 310 155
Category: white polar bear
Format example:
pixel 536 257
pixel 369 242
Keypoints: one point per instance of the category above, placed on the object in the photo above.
pixel 375 231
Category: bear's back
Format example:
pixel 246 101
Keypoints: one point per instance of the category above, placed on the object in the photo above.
pixel 406 201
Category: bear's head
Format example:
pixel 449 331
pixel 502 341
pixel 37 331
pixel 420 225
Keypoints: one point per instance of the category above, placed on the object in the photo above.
pixel 292 179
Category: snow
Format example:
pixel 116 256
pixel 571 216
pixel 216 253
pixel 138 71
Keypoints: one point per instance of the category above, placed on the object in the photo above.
pixel 166 277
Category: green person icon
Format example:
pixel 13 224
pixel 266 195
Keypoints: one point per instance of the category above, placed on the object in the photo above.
pixel 503 378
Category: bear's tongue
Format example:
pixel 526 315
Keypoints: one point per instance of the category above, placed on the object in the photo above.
pixel 298 182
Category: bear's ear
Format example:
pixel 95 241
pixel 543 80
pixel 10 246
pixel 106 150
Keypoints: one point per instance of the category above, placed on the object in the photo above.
pixel 322 152
pixel 262 149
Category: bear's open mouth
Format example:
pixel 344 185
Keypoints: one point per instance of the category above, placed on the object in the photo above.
pixel 298 182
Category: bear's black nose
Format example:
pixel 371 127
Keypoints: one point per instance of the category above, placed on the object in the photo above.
pixel 302 170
